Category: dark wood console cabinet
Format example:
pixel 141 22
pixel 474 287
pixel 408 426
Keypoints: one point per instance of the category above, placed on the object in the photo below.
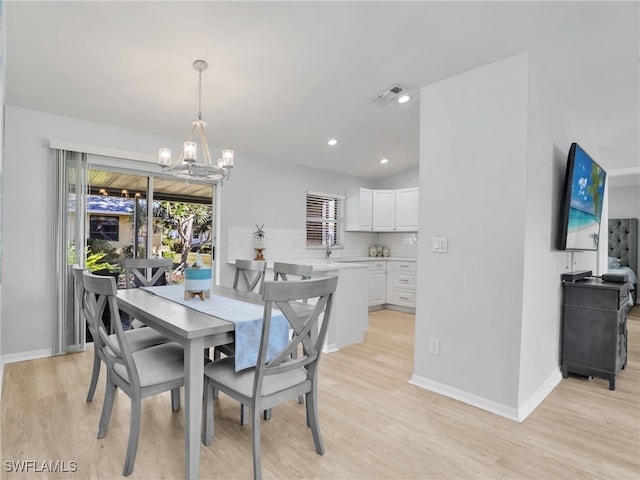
pixel 594 329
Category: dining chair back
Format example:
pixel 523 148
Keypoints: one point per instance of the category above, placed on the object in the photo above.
pixel 281 271
pixel 146 272
pixel 78 284
pixel 284 376
pixel 138 374
pixel 252 273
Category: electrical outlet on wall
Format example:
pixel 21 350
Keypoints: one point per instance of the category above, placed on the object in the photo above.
pixel 434 346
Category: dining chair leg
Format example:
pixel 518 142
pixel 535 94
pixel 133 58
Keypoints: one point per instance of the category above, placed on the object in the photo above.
pixel 312 419
pixel 134 434
pixel 243 414
pixel 107 406
pixel 94 377
pixel 207 415
pixel 255 437
pixel 175 399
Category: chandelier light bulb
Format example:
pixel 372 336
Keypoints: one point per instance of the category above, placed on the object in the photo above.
pixel 164 156
pixel 227 158
pixel 190 150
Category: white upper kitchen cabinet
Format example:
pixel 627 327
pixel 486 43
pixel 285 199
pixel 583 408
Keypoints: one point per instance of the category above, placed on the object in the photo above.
pixel 384 210
pixel 359 210
pixel 407 209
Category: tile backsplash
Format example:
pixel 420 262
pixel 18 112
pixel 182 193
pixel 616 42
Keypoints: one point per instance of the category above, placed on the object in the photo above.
pixel 289 244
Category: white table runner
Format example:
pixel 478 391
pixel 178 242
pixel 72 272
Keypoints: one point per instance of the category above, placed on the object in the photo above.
pixel 247 318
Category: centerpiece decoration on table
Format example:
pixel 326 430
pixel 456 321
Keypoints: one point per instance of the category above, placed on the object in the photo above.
pixel 197 280
pixel 259 242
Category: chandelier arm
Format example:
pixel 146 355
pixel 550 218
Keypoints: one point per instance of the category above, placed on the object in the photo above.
pixel 205 146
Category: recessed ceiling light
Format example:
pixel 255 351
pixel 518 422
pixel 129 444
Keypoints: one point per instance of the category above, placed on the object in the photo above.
pixel 332 142
pixel 384 160
pixel 404 99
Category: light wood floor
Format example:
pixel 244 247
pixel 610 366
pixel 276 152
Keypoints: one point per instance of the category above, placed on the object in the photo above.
pixel 375 424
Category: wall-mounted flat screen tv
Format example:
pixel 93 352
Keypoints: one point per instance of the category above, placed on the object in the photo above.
pixel 582 202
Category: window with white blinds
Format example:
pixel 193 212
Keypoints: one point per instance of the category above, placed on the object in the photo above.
pixel 325 219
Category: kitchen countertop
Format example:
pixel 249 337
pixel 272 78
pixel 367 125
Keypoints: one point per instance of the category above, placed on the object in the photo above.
pixel 319 265
pixel 337 263
pixel 373 259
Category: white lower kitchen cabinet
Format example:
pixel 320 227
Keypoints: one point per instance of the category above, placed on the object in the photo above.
pixel 350 315
pixel 401 283
pixel 377 283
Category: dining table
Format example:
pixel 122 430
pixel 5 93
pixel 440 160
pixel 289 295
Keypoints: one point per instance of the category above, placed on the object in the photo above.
pixel 195 331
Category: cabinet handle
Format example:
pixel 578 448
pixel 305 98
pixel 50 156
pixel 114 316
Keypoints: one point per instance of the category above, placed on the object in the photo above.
pixel 404 298
pixel 404 280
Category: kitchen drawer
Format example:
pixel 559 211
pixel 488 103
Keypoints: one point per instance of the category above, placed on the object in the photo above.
pixel 378 266
pixel 403 280
pixel 404 298
pixel 397 266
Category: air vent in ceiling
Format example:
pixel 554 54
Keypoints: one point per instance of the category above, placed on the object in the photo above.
pixel 390 94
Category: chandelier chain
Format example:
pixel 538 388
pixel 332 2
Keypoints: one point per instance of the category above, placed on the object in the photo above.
pixel 200 94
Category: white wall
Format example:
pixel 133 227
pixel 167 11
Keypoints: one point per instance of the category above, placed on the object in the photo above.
pixel 473 138
pixel 273 194
pixel 403 179
pixel 551 130
pixel 259 191
pixel 494 144
pixel 28 287
pixel 624 202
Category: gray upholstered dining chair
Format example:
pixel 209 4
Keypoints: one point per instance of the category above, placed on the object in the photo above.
pixel 138 374
pixel 284 377
pixel 252 273
pixel 281 271
pixel 146 272
pixel 137 339
pixel 249 276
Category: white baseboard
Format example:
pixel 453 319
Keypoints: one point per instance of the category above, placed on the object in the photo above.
pixel 516 414
pixel 20 357
pixel 330 348
pixel 527 408
pixel 23 356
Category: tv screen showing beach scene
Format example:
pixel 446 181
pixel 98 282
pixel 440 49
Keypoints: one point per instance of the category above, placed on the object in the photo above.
pixel 582 208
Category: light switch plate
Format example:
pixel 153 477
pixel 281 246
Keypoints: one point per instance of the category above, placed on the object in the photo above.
pixel 440 244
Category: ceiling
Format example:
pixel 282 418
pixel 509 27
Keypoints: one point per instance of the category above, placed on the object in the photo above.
pixel 284 77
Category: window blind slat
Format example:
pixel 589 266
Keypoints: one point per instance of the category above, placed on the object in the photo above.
pixel 325 214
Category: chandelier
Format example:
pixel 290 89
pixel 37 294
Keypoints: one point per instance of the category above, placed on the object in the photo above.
pixel 187 167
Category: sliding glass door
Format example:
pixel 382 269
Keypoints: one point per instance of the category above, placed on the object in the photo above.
pixel 113 212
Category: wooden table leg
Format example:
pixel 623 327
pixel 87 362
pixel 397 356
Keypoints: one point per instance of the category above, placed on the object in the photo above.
pixel 194 372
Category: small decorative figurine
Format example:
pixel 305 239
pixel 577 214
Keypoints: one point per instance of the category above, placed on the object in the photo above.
pixel 259 242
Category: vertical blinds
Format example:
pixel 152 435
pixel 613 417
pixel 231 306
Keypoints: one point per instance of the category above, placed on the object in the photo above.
pixel 325 217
